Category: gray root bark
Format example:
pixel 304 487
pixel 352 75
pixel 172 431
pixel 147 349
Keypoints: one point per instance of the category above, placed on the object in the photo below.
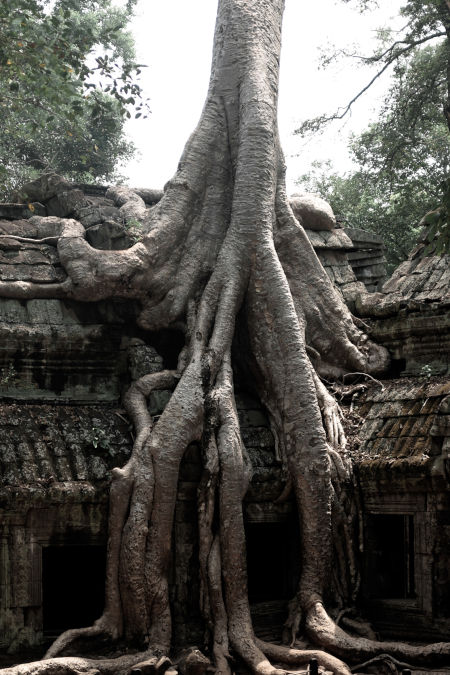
pixel 223 239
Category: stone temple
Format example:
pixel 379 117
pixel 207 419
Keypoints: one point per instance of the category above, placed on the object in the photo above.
pixel 64 366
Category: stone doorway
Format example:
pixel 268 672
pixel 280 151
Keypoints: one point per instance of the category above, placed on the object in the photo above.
pixel 271 560
pixel 389 568
pixel 73 580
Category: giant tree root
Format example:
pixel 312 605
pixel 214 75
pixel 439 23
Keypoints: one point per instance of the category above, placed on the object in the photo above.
pixel 322 630
pixel 302 657
pixel 73 665
pixel 222 255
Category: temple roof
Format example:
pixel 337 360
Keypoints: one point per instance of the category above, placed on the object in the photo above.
pixel 43 448
pixel 403 424
pixel 418 282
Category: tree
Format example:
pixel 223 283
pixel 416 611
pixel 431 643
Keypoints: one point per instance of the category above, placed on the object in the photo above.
pixel 402 158
pixel 68 68
pixel 258 280
pixel 90 153
pixel 426 23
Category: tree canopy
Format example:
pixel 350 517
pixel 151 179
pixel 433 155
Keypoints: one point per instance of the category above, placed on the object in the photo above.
pixel 402 159
pixel 68 68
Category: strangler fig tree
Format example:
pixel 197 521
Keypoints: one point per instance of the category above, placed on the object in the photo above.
pixel 223 255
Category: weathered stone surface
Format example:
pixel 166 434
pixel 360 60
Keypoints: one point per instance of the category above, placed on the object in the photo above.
pixel 403 427
pixel 193 662
pixel 420 280
pixel 33 262
pixel 65 204
pixel 367 257
pixel 108 235
pixel 12 253
pixel 143 359
pixel 43 188
pixel 399 446
pixel 353 266
pixel 37 227
pixel 364 238
pixel 75 444
pixel 418 338
pixel 92 189
pixel 331 249
pixel 98 209
pixel 158 401
pixel 18 211
pixel 31 272
pixel 268 512
pixel 21 261
pixel 411 314
pixel 51 350
pixel 334 239
pixel 313 212
pixel 149 196
pixel 257 437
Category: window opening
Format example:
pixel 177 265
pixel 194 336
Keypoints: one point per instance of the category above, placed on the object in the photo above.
pixel 389 568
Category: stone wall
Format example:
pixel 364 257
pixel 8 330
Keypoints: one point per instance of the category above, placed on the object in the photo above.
pixel 367 257
pixel 55 463
pixel 411 314
pixel 64 367
pixel 401 455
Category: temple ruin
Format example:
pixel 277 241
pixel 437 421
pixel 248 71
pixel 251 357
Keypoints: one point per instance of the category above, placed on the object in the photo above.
pixel 64 366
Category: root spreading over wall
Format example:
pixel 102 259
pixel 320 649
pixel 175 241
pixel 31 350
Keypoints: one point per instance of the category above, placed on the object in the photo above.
pixel 222 255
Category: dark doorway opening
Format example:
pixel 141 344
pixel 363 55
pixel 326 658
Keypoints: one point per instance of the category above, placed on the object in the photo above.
pixel 389 568
pixel 168 343
pixel 73 586
pixel 272 560
pixel 397 367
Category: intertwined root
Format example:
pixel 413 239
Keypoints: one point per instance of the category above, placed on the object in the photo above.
pixel 306 420
pixel 282 312
pixel 146 663
pixel 321 628
pixel 223 239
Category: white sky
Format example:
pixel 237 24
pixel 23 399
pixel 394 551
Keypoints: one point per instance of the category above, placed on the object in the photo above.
pixel 174 38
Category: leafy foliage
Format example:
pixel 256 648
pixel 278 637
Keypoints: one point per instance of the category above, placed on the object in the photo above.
pixel 403 159
pixel 67 82
pixel 439 221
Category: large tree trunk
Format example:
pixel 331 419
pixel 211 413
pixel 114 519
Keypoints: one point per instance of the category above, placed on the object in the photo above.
pixel 223 239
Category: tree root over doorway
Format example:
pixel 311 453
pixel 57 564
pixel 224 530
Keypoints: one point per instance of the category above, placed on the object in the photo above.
pixel 222 254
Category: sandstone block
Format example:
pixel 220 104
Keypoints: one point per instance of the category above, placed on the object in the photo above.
pixel 64 204
pixel 313 212
pixel 43 188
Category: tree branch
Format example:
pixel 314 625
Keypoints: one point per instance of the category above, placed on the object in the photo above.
pixel 410 45
pixel 321 121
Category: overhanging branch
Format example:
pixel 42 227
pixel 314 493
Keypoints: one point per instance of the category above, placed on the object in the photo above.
pixel 319 122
